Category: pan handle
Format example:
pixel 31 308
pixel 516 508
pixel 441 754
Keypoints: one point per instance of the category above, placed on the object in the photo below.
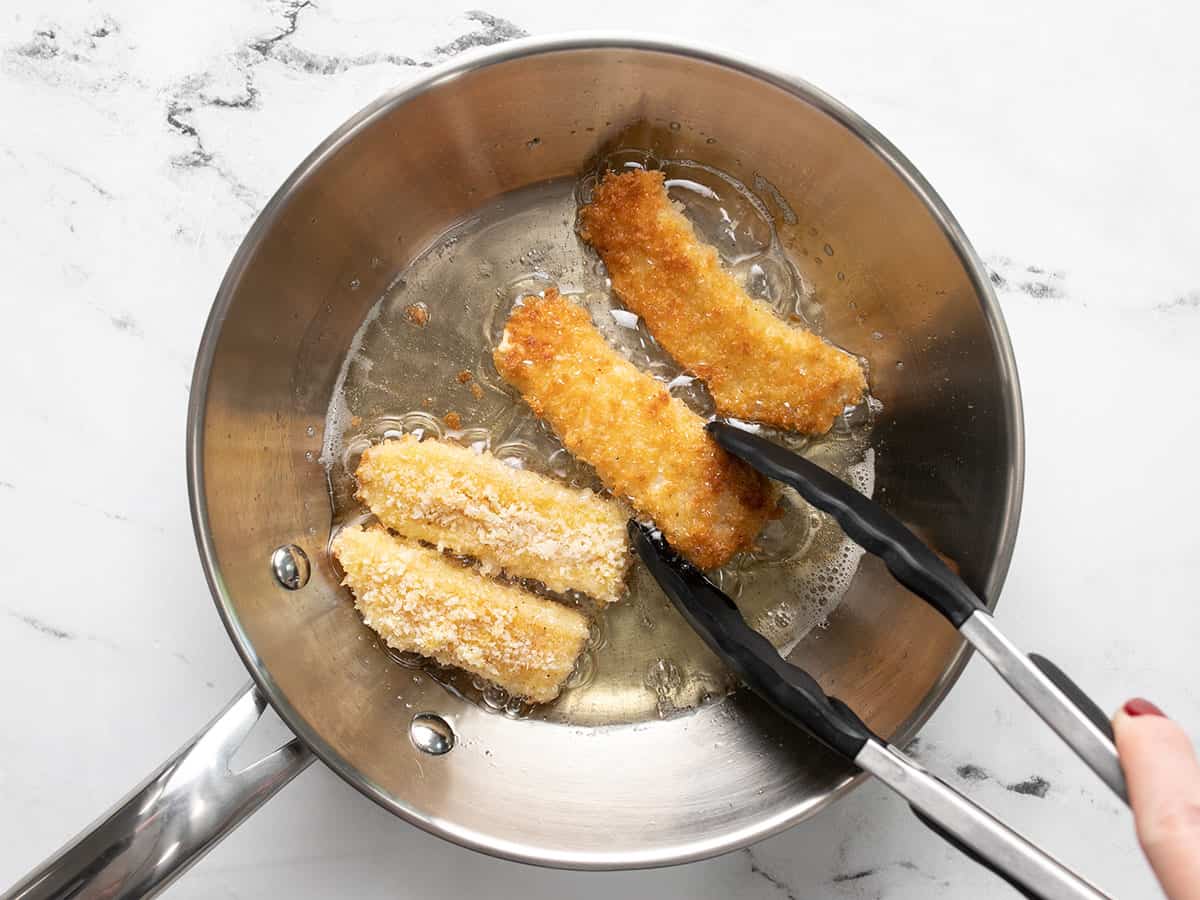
pixel 173 818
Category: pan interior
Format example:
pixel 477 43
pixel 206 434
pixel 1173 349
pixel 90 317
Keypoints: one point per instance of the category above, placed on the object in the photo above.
pixel 887 268
pixel 423 356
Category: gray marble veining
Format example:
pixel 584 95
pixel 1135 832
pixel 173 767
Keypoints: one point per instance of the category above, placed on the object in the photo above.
pixel 141 139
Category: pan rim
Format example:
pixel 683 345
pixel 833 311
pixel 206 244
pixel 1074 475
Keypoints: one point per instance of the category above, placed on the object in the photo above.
pixel 475 60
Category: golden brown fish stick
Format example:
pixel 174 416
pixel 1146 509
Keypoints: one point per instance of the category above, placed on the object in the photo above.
pixel 644 444
pixel 757 366
pixel 524 523
pixel 420 601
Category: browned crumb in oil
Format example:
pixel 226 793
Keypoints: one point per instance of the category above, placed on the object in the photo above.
pixel 417 313
pixel 355 421
pixel 453 419
pixel 427 403
pixel 467 378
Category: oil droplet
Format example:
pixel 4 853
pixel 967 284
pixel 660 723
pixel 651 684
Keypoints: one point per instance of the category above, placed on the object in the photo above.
pixel 728 581
pixel 597 635
pixel 663 677
pixel 828 249
pixel 664 680
pixel 562 464
pixel 417 423
pixel 407 658
pixel 585 668
pixel 495 697
pixel 516 708
pixel 517 454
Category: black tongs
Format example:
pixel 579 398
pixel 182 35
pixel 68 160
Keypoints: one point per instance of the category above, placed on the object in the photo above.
pixel 796 695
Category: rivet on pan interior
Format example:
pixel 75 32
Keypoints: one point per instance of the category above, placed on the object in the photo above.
pixel 290 566
pixel 431 734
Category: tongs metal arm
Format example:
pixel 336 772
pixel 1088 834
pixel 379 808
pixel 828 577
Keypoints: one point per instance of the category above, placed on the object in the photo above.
pixel 974 830
pixel 1043 686
pixel 798 697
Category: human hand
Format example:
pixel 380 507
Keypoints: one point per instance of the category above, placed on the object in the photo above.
pixel 1163 777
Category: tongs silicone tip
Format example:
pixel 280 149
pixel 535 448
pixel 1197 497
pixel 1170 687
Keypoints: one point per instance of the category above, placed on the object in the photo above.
pixel 798 697
pixel 790 690
pixel 1061 703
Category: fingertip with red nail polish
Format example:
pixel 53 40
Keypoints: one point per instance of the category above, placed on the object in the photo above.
pixel 1139 706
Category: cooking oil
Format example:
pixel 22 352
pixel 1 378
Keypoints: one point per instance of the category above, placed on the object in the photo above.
pixel 422 364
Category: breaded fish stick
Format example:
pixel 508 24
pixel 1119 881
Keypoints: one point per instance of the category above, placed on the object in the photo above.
pixel 419 601
pixel 644 444
pixel 526 524
pixel 757 366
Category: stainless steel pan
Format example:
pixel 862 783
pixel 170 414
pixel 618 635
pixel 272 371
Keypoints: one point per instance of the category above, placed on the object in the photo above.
pixel 382 187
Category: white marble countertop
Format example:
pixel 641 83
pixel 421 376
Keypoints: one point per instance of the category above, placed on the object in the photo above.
pixel 140 139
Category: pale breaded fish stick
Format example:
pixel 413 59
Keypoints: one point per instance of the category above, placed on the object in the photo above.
pixel 756 366
pixel 520 522
pixel 644 444
pixel 422 602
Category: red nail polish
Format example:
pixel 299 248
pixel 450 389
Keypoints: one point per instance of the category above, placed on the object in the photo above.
pixel 1139 707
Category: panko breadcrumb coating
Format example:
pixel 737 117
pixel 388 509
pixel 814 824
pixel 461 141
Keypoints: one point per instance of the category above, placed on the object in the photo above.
pixel 520 522
pixel 756 366
pixel 422 602
pixel 644 444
